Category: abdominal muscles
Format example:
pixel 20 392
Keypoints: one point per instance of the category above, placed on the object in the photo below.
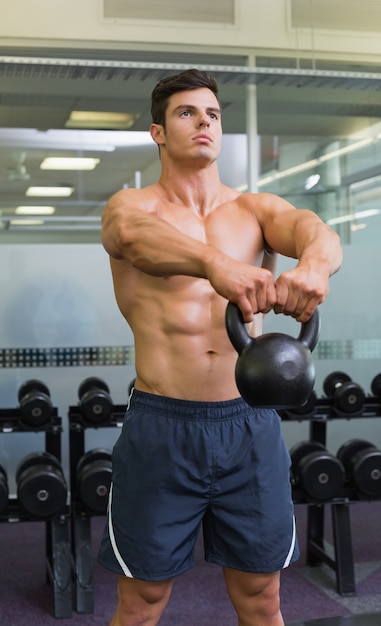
pixel 181 347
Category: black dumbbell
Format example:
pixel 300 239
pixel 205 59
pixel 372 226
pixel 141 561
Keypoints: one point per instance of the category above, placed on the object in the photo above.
pixel 318 472
pixel 41 485
pixel 4 491
pixel 93 478
pixel 95 401
pixel 35 404
pixel 305 411
pixel 376 386
pixel 362 462
pixel 348 396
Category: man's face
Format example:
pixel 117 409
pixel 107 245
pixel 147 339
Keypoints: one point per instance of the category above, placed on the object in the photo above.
pixel 193 126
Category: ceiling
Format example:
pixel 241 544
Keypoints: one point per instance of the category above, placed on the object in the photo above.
pixel 295 102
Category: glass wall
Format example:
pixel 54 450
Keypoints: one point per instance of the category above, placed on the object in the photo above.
pixel 337 178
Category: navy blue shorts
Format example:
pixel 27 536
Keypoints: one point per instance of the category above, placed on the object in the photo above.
pixel 179 464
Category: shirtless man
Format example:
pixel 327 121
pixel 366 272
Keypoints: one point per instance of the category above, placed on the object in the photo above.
pixel 191 451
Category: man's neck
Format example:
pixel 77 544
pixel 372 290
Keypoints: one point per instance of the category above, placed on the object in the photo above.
pixel 197 188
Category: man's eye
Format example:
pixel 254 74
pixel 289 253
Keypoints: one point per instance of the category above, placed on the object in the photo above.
pixel 185 113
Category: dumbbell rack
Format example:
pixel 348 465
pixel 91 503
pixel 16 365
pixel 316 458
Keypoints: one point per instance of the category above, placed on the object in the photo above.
pixel 58 544
pixel 339 556
pixel 81 516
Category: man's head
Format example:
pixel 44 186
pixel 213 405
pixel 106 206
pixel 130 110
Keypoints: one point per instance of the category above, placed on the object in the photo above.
pixel 190 79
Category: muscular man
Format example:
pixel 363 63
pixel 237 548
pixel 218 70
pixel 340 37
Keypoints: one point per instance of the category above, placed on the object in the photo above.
pixel 191 451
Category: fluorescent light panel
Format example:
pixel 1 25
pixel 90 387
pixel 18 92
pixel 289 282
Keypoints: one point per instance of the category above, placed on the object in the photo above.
pixel 42 192
pixel 26 222
pixel 35 210
pixel 350 217
pixel 69 163
pixel 100 119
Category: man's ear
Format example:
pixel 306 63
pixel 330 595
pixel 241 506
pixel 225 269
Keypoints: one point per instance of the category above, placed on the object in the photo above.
pixel 157 133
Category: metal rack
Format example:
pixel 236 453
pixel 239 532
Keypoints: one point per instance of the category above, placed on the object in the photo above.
pixel 58 541
pixel 338 556
pixel 81 516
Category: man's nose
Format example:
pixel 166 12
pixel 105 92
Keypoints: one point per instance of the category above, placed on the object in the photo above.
pixel 204 119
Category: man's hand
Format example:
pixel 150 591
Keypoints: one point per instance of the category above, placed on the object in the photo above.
pixel 299 291
pixel 251 288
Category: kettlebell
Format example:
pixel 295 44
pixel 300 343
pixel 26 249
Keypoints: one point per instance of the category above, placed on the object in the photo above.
pixel 273 370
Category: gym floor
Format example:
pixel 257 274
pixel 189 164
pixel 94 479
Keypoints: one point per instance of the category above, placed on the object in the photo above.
pixel 358 620
pixel 309 594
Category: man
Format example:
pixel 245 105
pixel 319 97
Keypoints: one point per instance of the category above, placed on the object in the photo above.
pixel 191 451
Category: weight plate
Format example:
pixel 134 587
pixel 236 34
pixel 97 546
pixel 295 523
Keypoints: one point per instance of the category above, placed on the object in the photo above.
pixel 321 475
pixel 94 485
pixel 301 449
pixel 42 491
pixel 32 385
pixel 4 491
pixel 96 406
pixel 349 449
pixel 332 381
pixel 36 459
pixel 367 472
pixel 92 383
pixel 376 386
pixel 36 409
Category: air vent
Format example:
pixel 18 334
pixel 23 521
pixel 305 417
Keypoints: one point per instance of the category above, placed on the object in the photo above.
pixel 341 15
pixel 221 12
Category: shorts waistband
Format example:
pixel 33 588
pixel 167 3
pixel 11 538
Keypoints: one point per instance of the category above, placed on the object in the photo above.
pixel 187 409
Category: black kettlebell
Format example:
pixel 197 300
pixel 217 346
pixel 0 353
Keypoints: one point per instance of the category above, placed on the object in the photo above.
pixel 273 370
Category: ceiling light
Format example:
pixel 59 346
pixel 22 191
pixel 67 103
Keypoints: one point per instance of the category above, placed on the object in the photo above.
pixel 35 210
pixel 350 217
pixel 58 192
pixel 356 227
pixel 26 222
pixel 101 119
pixel 78 140
pixel 68 163
pixel 311 181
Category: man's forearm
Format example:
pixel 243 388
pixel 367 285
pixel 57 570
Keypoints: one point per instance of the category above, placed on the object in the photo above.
pixel 321 246
pixel 157 248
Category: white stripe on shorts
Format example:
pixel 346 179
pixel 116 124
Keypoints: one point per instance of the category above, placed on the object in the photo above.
pixel 292 547
pixel 117 554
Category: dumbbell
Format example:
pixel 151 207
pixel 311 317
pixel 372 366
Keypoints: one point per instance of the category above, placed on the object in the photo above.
pixel 319 473
pixel 376 386
pixel 362 462
pixel 95 401
pixel 348 396
pixel 93 477
pixel 4 491
pixel 35 404
pixel 41 485
pixel 305 411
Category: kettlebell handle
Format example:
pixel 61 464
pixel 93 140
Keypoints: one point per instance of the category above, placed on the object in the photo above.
pixel 240 338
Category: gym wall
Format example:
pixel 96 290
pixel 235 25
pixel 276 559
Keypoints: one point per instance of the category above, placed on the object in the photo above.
pixel 59 324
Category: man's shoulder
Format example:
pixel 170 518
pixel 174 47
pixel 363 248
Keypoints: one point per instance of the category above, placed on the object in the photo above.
pixel 141 198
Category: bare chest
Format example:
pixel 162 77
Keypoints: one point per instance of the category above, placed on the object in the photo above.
pixel 235 232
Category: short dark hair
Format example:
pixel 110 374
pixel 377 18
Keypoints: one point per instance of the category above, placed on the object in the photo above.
pixel 190 79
